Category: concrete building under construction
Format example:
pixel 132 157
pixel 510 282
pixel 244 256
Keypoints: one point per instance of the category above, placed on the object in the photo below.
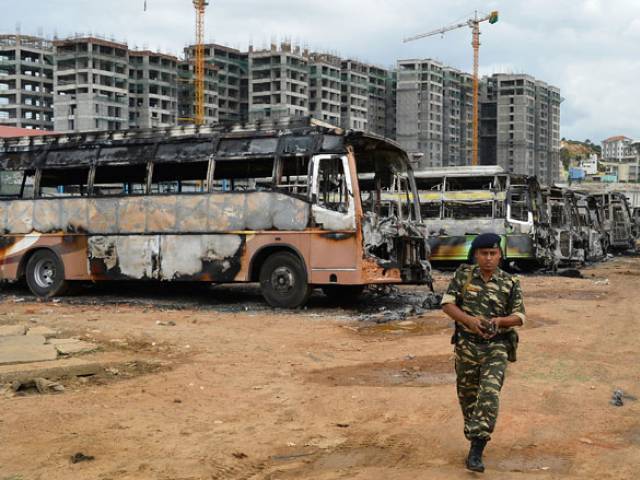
pixel 91 83
pixel 419 109
pixel 278 82
pixel 231 79
pixel 153 89
pixel 520 126
pixel 325 87
pixel 186 93
pixel 26 82
pixel 355 95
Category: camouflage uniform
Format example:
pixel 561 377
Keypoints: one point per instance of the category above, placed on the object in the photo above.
pixel 481 364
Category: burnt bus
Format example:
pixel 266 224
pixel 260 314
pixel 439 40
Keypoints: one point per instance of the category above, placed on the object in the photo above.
pixel 565 221
pixel 459 203
pixel 279 204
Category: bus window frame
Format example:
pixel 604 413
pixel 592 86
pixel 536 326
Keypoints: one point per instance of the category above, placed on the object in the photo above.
pixel 322 215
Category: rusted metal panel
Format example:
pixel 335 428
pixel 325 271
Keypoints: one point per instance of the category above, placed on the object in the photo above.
pixel 47 215
pixel 213 213
pixel 19 217
pixel 124 256
pixel 132 215
pixel 102 216
pixel 191 213
pixel 161 214
pixel 74 216
pixel 201 257
pixel 226 212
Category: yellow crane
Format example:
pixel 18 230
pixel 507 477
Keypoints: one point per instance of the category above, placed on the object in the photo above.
pixel 200 6
pixel 474 24
pixel 198 84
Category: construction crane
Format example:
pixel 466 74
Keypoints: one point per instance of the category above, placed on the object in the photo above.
pixel 474 24
pixel 200 6
pixel 198 83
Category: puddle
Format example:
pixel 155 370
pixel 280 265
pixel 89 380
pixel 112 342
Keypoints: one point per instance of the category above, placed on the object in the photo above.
pixel 416 372
pixel 432 326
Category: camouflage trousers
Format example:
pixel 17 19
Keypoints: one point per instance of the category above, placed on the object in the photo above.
pixel 480 370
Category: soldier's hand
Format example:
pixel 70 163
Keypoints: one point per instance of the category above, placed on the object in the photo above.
pixel 475 325
pixel 490 327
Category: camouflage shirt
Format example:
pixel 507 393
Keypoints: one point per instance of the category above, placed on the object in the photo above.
pixel 501 296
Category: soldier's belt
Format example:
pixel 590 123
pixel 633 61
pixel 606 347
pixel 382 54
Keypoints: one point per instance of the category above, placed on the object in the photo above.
pixel 472 337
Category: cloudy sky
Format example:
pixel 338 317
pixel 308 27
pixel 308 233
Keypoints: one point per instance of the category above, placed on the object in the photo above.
pixel 588 48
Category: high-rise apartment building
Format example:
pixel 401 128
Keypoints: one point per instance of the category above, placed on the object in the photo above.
pixel 520 126
pixel 355 95
pixel 419 110
pixel 153 89
pixel 232 70
pixel 26 82
pixel 186 93
pixel 457 118
pixel 91 85
pixel 278 82
pixel 325 87
pixel 377 101
pixel 390 105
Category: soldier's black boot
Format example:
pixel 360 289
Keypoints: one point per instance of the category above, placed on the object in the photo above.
pixel 474 460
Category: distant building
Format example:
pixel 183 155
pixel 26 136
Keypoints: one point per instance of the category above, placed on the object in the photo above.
pixel 355 95
pixel 153 89
pixel 186 93
pixel 618 149
pixel 419 110
pixel 278 83
pixel 232 70
pixel 590 165
pixel 520 126
pixel 26 82
pixel 325 87
pixel 91 85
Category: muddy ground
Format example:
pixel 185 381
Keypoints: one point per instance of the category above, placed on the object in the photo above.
pixel 237 390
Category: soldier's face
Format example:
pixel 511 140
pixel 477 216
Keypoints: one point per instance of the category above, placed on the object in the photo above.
pixel 488 259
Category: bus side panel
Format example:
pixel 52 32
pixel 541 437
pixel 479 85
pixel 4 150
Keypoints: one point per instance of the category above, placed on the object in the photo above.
pixel 520 246
pixel 72 250
pixel 255 242
pixel 456 248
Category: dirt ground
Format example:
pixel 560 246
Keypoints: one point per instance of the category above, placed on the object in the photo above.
pixel 236 390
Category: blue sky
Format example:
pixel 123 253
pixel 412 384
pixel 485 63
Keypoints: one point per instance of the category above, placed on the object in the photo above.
pixel 588 48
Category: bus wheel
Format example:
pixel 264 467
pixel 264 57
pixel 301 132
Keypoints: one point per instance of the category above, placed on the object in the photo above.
pixel 283 281
pixel 45 274
pixel 343 294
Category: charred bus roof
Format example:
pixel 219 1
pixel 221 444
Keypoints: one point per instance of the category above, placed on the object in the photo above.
pixel 300 138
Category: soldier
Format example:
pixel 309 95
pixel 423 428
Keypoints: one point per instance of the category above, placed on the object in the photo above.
pixel 486 303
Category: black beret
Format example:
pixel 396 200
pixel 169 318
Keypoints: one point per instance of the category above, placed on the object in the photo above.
pixel 485 240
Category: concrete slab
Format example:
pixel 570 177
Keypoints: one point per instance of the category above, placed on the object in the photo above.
pixel 46 332
pixel 24 349
pixel 76 346
pixel 62 341
pixel 66 367
pixel 22 340
pixel 12 330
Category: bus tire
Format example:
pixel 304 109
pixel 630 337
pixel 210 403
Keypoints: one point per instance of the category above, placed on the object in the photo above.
pixel 45 274
pixel 283 281
pixel 343 294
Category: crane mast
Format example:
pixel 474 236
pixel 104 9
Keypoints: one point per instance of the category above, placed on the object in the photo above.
pixel 200 6
pixel 474 24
